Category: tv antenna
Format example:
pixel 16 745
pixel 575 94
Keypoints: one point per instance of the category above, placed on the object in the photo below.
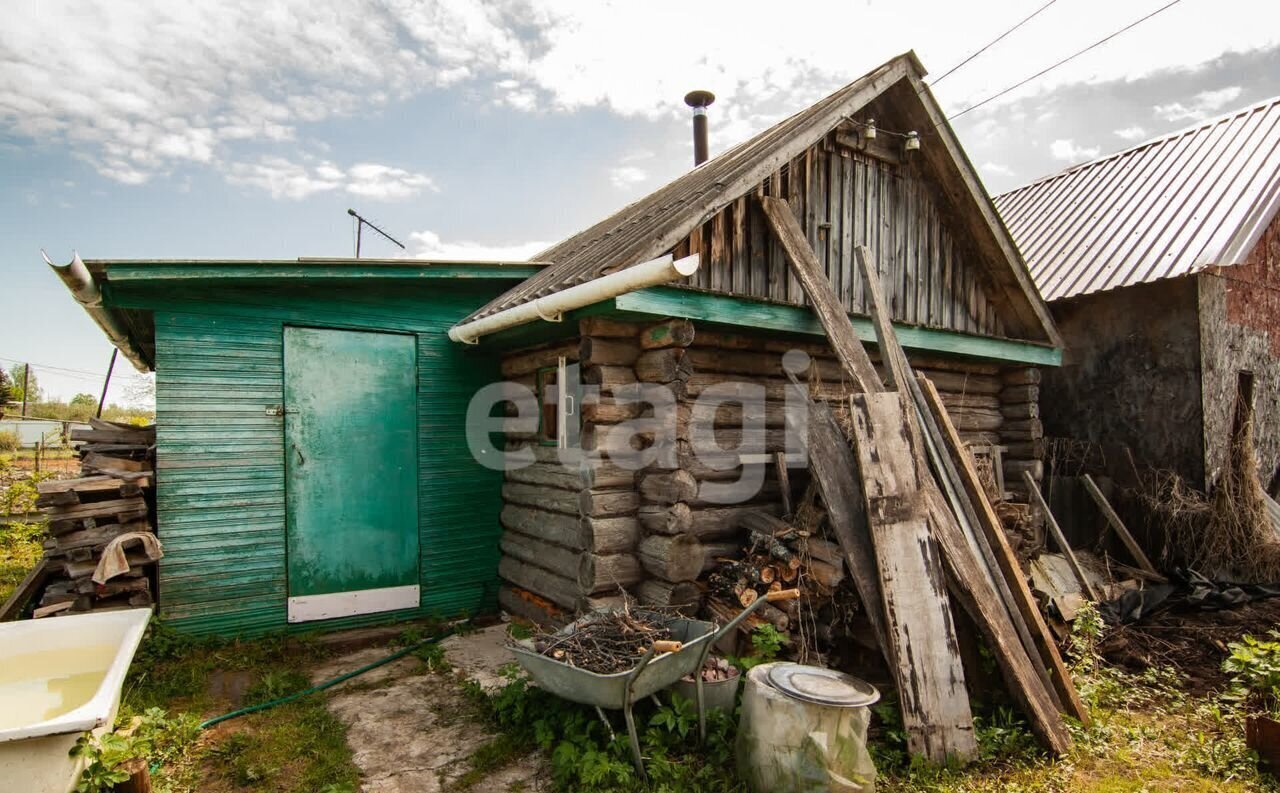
pixel 361 223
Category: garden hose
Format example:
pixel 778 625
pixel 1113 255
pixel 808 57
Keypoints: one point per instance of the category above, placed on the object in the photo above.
pixel 261 706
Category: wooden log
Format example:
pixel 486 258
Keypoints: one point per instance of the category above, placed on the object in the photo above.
pixel 765 524
pixel 976 419
pixel 721 441
pixel 1121 530
pixel 668 487
pixel 523 603
pixel 1019 394
pixel 989 522
pixel 559 528
pixel 750 362
pixel 89 484
pixel 728 384
pixel 610 535
pixel 1024 450
pixel 602 503
pixel 564 592
pixel 604 326
pixel 656 592
pixel 610 379
pixel 710 336
pixel 596 351
pixel 675 558
pixel 820 550
pixel 737 493
pixel 983 438
pixel 665 518
pixel 979 401
pixel 529 361
pixel 108 464
pixel 1028 429
pixel 548 475
pixel 715 553
pixel 114 435
pixel 1022 376
pixel 663 365
pixel 669 333
pixel 541 497
pixel 774 616
pixel 1013 469
pixel 559 560
pixel 1020 411
pixel 752 413
pixel 611 572
pixel 98 509
pixel 828 575
pixel 783 476
pixel 960 382
pixel 611 411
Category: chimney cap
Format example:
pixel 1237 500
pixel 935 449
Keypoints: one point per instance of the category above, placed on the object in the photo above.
pixel 699 98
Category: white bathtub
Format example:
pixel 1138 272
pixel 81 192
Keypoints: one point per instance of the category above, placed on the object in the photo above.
pixel 60 678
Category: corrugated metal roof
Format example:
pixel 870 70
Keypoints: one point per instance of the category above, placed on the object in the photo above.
pixel 653 224
pixel 1165 208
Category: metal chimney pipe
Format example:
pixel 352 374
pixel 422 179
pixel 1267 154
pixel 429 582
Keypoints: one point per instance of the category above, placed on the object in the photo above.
pixel 699 101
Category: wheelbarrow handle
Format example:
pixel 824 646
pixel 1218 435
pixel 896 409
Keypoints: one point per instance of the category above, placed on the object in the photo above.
pixel 780 595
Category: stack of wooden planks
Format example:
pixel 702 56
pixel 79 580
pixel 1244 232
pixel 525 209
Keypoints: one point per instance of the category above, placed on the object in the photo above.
pixel 917 531
pixel 86 515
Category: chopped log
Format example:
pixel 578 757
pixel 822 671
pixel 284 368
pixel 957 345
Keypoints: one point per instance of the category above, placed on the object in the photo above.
pixel 610 535
pixel 775 548
pixel 665 518
pixel 1019 394
pixel 775 616
pixel 550 498
pixel 602 503
pixel 672 558
pixel 603 326
pixel 669 333
pixel 611 411
pixel 656 592
pixel 529 361
pixel 601 573
pixel 604 474
pixel 725 613
pixel 561 561
pixel 825 574
pixel 562 591
pixel 607 352
pixel 549 475
pixel 717 551
pixel 1026 376
pixel 663 365
pixel 820 550
pixel 559 528
pixel 669 487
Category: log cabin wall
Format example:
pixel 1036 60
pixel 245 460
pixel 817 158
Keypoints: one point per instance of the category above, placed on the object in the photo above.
pixel 844 197
pixel 574 536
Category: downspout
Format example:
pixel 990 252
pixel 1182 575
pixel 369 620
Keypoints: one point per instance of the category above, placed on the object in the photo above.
pixel 552 307
pixel 80 281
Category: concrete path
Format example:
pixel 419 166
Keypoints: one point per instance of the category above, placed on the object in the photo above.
pixel 411 730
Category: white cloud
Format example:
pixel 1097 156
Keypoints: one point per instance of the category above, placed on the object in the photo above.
pixel 1203 105
pixel 283 178
pixel 1131 134
pixel 996 168
pixel 1068 151
pixel 143 88
pixel 625 177
pixel 429 245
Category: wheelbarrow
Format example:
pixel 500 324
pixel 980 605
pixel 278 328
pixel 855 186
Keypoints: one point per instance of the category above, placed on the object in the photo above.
pixel 655 671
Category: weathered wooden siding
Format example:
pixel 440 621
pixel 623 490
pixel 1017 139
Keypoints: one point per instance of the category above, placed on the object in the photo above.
pixel 220 490
pixel 1240 332
pixel 845 198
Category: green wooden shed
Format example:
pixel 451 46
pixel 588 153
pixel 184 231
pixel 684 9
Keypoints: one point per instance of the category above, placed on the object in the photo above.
pixel 303 407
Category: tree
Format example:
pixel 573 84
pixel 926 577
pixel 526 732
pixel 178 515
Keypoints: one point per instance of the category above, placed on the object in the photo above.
pixel 84 399
pixel 33 385
pixel 6 389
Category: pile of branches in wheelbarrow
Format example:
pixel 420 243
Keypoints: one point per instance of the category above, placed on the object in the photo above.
pixel 611 642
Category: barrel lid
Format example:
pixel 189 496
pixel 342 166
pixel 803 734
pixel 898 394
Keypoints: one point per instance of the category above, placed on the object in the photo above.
pixel 822 686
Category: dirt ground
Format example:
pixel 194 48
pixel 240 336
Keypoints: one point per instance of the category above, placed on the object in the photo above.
pixel 1192 641
pixel 412 730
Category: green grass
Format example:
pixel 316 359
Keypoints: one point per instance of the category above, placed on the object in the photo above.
pixel 20 543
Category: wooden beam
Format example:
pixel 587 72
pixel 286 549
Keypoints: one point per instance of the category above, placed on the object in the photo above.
pixel 826 304
pixel 1118 525
pixel 1059 537
pixel 875 149
pixel 989 522
pixel 25 591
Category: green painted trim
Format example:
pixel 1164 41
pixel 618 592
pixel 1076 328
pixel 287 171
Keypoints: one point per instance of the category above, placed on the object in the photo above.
pixel 538 332
pixel 125 272
pixel 727 310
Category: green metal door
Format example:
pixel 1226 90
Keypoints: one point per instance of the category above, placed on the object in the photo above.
pixel 351 472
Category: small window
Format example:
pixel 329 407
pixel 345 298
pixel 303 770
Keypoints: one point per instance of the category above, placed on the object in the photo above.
pixel 558 422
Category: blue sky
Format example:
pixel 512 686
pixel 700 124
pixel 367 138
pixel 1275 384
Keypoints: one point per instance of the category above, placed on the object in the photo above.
pixel 246 129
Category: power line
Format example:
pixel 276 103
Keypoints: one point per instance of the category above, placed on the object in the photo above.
pixel 991 43
pixel 1066 60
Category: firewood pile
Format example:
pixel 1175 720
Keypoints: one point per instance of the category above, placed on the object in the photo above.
pixel 101 541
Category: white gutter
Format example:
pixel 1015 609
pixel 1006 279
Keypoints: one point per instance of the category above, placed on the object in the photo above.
pixel 552 307
pixel 80 281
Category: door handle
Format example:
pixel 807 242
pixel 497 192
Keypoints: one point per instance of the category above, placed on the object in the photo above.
pixel 301 460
